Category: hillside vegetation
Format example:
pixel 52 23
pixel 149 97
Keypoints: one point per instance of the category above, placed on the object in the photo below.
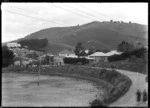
pixel 99 35
pixel 34 43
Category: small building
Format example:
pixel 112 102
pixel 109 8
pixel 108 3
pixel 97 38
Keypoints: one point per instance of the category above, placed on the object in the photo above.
pixel 13 45
pixel 100 56
pixel 67 53
pixel 91 60
pixel 22 61
pixel 47 59
pixel 58 60
pixel 17 63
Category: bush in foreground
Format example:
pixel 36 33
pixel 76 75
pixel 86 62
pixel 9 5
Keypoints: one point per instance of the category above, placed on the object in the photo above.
pixel 96 103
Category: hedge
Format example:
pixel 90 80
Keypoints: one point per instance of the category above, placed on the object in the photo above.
pixel 76 60
pixel 137 53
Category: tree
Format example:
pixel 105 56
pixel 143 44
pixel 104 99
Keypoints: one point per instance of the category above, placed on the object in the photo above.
pixel 79 49
pixel 91 51
pixel 7 56
pixel 34 43
pixel 125 47
pixel 111 21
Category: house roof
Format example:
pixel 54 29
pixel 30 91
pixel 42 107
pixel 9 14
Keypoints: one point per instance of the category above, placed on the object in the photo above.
pixel 113 52
pixel 72 56
pixel 106 54
pixel 49 54
pixel 98 54
pixel 66 52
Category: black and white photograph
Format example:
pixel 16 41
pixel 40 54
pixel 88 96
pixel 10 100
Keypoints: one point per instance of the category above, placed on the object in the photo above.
pixel 79 54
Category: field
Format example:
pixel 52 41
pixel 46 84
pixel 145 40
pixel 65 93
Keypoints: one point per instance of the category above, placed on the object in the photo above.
pixel 22 90
pixel 114 84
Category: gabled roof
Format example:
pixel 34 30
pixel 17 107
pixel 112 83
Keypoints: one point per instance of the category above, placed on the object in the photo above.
pixel 98 54
pixel 66 52
pixel 106 54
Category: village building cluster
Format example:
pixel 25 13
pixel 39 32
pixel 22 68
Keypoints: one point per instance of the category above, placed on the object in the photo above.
pixel 21 58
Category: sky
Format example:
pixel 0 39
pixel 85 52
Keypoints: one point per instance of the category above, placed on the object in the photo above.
pixel 22 19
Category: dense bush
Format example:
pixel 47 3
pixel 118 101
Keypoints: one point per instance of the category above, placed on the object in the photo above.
pixel 76 60
pixel 125 47
pixel 34 43
pixel 96 103
pixel 7 56
pixel 137 53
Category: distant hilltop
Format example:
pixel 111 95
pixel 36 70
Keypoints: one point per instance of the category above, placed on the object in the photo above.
pixel 98 35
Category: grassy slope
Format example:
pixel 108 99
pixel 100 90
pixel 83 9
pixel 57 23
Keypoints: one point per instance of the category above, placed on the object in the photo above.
pixel 95 34
pixel 56 47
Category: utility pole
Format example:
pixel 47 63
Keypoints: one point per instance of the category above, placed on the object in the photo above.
pixel 39 71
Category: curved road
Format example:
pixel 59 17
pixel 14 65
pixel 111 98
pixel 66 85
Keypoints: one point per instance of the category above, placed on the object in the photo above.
pixel 138 83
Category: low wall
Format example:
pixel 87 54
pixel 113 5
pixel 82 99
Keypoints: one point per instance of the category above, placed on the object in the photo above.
pixel 114 83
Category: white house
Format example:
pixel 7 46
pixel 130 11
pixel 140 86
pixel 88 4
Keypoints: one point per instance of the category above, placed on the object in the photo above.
pixel 100 56
pixel 10 45
pixel 58 60
pixel 67 53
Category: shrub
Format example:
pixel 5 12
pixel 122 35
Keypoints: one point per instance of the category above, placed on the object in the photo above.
pixel 96 102
pixel 137 53
pixel 76 61
pixel 34 43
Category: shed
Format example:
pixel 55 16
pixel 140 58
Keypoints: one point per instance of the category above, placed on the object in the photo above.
pixel 58 60
pixel 100 56
pixel 66 53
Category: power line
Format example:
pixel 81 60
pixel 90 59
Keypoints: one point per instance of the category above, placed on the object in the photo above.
pixel 83 12
pixel 22 9
pixel 32 17
pixel 95 11
pixel 71 11
pixel 109 17
pixel 27 11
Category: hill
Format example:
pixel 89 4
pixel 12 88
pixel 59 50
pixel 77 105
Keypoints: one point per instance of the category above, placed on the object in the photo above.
pixel 99 35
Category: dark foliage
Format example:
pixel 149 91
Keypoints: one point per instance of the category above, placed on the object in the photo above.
pixel 137 53
pixel 104 50
pixel 34 43
pixel 76 60
pixel 7 56
pixel 79 50
pixel 125 47
pixel 96 103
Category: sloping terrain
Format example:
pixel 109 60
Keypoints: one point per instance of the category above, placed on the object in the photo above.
pixel 99 35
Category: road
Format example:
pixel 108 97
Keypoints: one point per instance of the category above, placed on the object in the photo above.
pixel 138 83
